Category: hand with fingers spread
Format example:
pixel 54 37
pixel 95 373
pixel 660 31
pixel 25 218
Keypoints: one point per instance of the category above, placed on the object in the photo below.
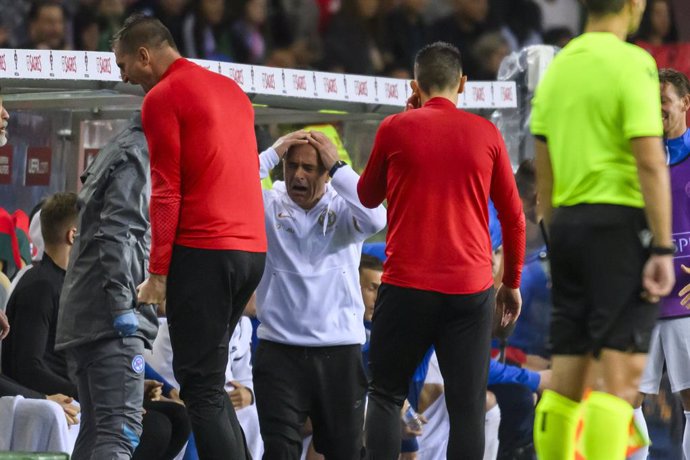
pixel 326 148
pixel 283 144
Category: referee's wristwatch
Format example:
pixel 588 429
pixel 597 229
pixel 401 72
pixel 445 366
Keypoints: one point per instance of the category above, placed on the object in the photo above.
pixel 338 164
pixel 662 250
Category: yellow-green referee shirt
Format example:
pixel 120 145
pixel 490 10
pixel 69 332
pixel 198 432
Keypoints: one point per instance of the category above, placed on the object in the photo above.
pixel 598 94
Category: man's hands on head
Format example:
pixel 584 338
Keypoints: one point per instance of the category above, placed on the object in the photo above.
pixel 325 147
pixel 283 144
pixel 152 290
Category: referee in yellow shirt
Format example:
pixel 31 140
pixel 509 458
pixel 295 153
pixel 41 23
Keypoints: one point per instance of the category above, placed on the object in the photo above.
pixel 605 199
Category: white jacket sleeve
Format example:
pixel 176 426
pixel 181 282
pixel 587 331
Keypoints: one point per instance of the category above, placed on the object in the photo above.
pixel 364 220
pixel 268 160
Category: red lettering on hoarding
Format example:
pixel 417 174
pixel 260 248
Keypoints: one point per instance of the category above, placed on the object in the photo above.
pixel 361 88
pixel 237 75
pixel 69 64
pixel 391 91
pixel 103 65
pixel 479 94
pixel 507 94
pixel 268 80
pixel 330 85
pixel 3 63
pixel 299 82
pixel 33 63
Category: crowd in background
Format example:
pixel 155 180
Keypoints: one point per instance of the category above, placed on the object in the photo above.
pixel 373 37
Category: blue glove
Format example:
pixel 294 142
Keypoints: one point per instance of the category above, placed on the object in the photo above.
pixel 126 324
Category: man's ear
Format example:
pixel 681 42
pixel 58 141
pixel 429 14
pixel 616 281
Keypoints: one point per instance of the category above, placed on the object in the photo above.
pixel 144 56
pixel 71 235
pixel 686 103
pixel 463 80
pixel 415 87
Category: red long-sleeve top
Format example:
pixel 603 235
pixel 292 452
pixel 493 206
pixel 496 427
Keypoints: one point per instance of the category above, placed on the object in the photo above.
pixel 205 190
pixel 437 166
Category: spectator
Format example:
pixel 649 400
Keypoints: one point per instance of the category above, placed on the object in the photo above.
pixel 349 40
pixel 308 362
pixel 28 354
pixel 297 22
pixel 558 36
pixel 463 28
pixel 110 14
pixel 46 25
pixel 657 26
pixel 561 14
pixel 405 32
pixel 206 32
pixel 171 13
pixel 249 34
pixel 489 51
pixel 87 30
pixel 13 22
pixel 523 25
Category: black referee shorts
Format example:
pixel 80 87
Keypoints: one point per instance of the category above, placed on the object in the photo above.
pixel 597 254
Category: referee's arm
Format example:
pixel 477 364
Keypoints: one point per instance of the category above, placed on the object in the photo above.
pixel 655 185
pixel 542 162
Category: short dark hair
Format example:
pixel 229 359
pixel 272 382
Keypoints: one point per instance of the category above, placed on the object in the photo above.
pixel 602 7
pixel 370 262
pixel 141 30
pixel 437 66
pixel 58 215
pixel 526 178
pixel 678 79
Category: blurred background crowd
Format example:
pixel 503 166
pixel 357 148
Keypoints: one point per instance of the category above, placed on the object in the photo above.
pixel 371 37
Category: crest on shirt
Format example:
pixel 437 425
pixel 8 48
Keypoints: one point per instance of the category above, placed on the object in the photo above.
pixel 331 218
pixel 138 364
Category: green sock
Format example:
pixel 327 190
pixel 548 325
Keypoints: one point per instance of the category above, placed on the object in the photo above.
pixel 555 423
pixel 606 427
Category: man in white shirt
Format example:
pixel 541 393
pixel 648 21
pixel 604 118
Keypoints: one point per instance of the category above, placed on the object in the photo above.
pixel 308 362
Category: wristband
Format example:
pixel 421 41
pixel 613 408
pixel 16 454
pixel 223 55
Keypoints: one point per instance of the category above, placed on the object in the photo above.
pixel 662 250
pixel 338 164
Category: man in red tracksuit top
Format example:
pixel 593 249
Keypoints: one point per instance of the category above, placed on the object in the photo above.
pixel 438 166
pixel 207 219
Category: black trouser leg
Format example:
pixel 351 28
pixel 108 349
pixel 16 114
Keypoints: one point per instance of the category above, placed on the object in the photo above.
pixel 207 292
pixel 463 350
